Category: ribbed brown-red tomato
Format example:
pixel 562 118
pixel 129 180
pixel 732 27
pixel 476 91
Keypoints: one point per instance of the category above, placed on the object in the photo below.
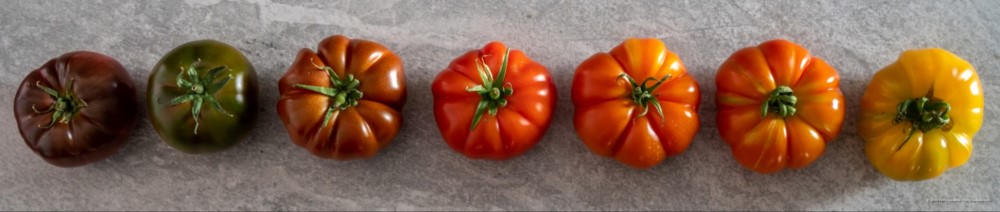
pixel 345 101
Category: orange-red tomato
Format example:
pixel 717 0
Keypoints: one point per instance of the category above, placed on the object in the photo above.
pixel 514 101
pixel 778 106
pixel 619 96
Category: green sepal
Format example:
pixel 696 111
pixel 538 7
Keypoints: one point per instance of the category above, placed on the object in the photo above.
pixel 328 91
pixel 343 93
pixel 781 100
pixel 218 107
pixel 201 89
pixel 478 115
pixel 328 115
pixel 214 73
pixel 64 105
pixel 196 113
pixel 47 90
pixel 644 95
pixel 215 87
pixel 503 68
pixel 922 114
pixel 485 74
pixel 493 91
pixel 192 73
pixel 182 99
pixel 181 82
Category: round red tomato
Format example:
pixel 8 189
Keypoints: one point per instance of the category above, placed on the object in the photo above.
pixel 493 103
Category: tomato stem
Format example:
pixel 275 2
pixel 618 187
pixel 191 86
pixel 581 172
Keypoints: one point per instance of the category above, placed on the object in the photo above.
pixel 201 89
pixel 493 91
pixel 344 93
pixel 781 101
pixel 644 96
pixel 64 105
pixel 923 114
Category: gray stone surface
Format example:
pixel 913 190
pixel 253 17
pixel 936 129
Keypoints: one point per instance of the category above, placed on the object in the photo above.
pixel 419 171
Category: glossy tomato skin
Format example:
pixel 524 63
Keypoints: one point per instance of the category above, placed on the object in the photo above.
pixel 217 131
pixel 96 131
pixel 770 143
pixel 936 74
pixel 607 119
pixel 357 132
pixel 516 127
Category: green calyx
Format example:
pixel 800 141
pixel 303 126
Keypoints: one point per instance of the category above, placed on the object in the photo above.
pixel 344 92
pixel 923 114
pixel 642 94
pixel 781 101
pixel 493 90
pixel 201 89
pixel 64 104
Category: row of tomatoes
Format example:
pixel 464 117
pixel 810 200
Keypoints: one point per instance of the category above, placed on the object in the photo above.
pixel 778 106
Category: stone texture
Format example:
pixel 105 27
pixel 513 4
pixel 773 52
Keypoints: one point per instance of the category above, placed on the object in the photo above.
pixel 419 172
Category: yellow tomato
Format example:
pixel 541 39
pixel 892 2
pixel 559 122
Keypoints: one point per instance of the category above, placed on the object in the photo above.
pixel 919 114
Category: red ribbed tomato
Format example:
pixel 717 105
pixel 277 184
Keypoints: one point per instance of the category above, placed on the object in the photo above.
pixel 493 103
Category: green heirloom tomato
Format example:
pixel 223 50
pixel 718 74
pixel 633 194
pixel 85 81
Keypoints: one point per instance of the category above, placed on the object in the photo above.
pixel 202 97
